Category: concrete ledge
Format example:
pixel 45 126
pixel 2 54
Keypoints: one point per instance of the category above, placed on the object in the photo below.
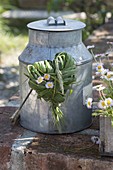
pixel 40 14
pixel 53 161
pixel 21 149
pixel 18 150
pixel 7 136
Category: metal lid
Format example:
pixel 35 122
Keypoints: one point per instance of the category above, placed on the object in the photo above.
pixel 58 24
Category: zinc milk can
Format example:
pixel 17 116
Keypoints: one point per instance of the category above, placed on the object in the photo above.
pixel 46 38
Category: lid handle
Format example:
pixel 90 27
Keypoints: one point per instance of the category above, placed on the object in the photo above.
pixel 51 21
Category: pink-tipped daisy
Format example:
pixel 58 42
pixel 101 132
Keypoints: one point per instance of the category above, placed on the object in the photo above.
pixel 49 85
pixel 47 76
pixel 102 104
pixel 39 80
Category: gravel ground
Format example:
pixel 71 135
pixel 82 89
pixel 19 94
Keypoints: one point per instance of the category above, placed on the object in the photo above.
pixel 9 73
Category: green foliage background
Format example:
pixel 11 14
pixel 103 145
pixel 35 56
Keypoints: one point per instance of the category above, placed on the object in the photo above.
pixel 14 33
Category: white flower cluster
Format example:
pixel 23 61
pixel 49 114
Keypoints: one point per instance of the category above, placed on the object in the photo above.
pixel 103 104
pixel 46 77
pixel 106 75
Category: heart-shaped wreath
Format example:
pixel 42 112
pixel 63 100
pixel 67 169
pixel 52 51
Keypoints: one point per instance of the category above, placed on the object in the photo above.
pixel 52 79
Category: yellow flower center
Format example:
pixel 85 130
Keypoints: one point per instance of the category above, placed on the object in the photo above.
pixel 99 67
pixel 103 103
pixel 49 84
pixel 108 102
pixel 89 103
pixel 108 75
pixel 40 79
pixel 46 76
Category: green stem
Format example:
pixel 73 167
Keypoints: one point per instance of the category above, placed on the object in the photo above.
pixel 101 95
pixel 110 84
pixel 93 56
pixel 59 76
pixel 54 89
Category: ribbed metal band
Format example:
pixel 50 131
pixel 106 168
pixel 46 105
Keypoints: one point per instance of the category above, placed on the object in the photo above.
pixel 55 39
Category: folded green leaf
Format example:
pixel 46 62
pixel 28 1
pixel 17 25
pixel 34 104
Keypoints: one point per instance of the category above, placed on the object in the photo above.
pixel 61 74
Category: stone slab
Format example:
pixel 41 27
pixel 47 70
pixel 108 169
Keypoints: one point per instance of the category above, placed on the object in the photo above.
pixel 53 161
pixel 69 152
pixel 47 152
pixel 34 14
pixel 18 150
pixel 8 134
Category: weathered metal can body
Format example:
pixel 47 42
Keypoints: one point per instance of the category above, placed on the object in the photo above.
pixel 44 42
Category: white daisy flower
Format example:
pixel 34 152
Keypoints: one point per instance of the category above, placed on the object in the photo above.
pixel 46 76
pixel 104 72
pixel 100 55
pixel 109 42
pixel 107 53
pixel 39 80
pixel 90 46
pixel 103 55
pixel 49 85
pixel 109 75
pixel 89 103
pixel 93 77
pixel 99 67
pixel 109 101
pixel 102 104
pixel 99 87
pixel 96 140
pixel 97 55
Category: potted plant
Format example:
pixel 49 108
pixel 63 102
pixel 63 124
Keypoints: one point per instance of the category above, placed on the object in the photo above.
pixel 105 104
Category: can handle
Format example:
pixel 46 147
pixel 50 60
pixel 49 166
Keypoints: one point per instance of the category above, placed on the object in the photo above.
pixel 51 21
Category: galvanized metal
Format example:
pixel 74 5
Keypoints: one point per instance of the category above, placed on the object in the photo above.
pixel 42 25
pixel 44 42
